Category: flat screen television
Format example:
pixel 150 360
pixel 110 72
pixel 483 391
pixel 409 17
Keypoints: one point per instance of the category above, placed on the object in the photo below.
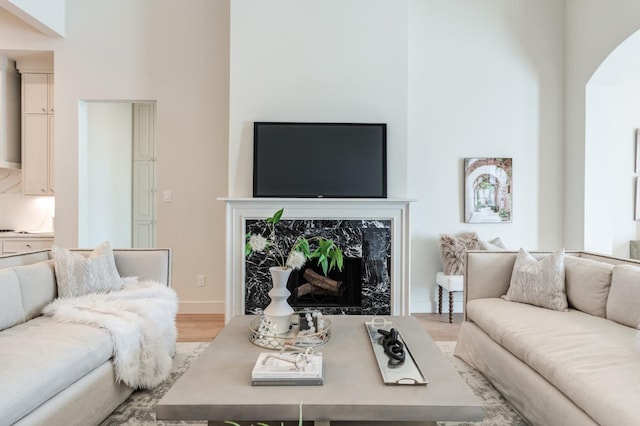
pixel 319 160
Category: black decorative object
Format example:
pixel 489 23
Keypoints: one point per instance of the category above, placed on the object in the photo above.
pixel 393 347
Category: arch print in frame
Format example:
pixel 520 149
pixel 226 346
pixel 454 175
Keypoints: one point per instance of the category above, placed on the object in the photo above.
pixel 488 196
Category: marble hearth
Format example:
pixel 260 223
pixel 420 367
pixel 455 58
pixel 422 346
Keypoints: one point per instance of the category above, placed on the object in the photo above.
pixel 372 232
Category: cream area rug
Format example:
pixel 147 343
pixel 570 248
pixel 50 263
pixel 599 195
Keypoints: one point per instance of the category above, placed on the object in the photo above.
pixel 139 409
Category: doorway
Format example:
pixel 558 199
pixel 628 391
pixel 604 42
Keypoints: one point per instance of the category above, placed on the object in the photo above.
pixel 117 192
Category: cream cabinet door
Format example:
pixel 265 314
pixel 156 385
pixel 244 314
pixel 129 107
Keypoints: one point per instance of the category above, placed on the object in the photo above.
pixel 37 134
pixel 143 128
pixel 143 188
pixel 35 154
pixel 50 157
pixel 35 93
pixel 50 94
pixel 144 234
pixel 19 245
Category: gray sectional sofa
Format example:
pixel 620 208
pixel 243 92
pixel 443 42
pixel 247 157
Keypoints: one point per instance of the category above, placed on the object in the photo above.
pixel 579 366
pixel 51 372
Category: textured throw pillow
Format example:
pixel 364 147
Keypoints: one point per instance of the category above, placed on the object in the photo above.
pixel 495 244
pixel 539 282
pixel 77 275
pixel 453 250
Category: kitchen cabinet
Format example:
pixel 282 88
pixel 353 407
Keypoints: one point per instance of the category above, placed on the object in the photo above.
pixel 9 114
pixel 37 97
pixel 37 134
pixel 22 244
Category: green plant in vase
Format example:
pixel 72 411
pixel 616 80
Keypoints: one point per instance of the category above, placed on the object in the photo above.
pixel 324 251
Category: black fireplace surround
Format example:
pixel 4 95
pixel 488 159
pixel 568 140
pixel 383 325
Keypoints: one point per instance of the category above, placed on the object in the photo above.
pixel 365 284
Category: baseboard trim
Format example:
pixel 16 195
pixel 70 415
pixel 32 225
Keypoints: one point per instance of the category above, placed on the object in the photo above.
pixel 200 307
pixel 428 306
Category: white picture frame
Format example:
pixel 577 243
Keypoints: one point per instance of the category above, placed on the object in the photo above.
pixel 488 190
pixel 637 151
pixel 637 200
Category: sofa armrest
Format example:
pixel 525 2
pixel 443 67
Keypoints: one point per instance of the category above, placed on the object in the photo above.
pixel 146 264
pixel 487 273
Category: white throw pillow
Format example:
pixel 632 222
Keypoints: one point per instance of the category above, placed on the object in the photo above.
pixel 77 275
pixel 495 244
pixel 539 282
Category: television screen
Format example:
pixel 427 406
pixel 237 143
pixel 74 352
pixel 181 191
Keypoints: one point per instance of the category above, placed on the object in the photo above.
pixel 332 160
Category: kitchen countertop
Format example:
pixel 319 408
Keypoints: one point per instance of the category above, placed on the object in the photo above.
pixel 29 235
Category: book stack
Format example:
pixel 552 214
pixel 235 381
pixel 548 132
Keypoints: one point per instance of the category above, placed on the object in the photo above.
pixel 274 369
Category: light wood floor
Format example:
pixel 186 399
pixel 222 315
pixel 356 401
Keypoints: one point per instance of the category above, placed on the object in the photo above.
pixel 204 327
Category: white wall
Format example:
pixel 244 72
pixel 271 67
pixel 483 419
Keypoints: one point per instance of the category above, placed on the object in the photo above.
pixel 171 52
pixel 317 61
pixel 108 177
pixel 612 115
pixel 484 81
pixel 594 28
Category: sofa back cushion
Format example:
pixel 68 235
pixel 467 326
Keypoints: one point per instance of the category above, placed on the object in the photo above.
pixel 588 283
pixel 37 285
pixel 11 311
pixel 623 304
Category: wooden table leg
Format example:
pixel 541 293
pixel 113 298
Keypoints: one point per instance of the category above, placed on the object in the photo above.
pixel 450 307
pixel 439 299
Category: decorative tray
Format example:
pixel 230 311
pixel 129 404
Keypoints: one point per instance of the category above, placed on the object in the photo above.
pixel 261 336
pixel 393 371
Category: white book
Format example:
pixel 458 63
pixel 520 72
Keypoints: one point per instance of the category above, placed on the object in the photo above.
pixel 276 368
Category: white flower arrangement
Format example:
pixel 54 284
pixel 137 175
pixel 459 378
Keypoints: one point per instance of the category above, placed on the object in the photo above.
pixel 327 253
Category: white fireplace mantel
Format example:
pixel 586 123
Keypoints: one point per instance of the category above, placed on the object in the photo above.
pixel 239 210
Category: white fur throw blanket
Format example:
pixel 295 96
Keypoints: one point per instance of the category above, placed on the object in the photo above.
pixel 141 321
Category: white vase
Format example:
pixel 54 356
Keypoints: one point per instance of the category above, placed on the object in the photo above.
pixel 279 311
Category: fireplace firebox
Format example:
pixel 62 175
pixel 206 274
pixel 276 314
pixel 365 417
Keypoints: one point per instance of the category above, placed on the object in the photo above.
pixel 310 288
pixel 362 287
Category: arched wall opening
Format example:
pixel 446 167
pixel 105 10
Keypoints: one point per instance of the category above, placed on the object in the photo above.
pixel 612 113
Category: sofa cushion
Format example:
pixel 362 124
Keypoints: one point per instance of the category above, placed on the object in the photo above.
pixel 538 282
pixel 588 282
pixel 37 285
pixel 77 275
pixel 623 304
pixel 11 311
pixel 42 357
pixel 592 360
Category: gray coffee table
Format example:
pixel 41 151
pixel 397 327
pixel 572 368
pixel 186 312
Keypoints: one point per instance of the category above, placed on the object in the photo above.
pixel 217 386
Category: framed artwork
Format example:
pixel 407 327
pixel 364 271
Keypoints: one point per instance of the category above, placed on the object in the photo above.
pixel 637 204
pixel 488 190
pixel 637 166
